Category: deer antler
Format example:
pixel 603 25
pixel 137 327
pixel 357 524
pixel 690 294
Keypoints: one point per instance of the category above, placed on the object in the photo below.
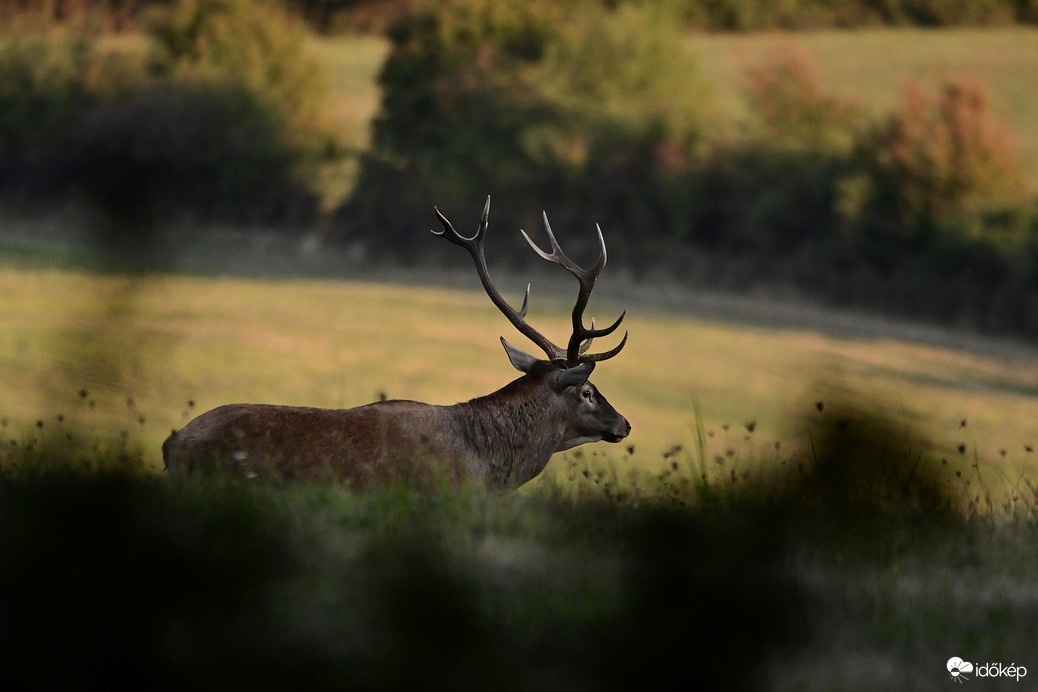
pixel 580 340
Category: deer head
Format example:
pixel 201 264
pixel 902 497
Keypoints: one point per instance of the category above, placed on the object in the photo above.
pixel 587 414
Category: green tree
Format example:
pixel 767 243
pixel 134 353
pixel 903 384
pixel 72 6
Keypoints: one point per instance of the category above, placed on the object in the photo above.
pixel 251 44
pixel 222 121
pixel 588 113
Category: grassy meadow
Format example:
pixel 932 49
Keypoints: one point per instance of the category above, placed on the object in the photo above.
pixel 175 346
pixel 351 67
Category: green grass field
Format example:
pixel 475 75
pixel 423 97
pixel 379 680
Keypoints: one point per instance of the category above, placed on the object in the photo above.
pixel 165 341
pixel 352 65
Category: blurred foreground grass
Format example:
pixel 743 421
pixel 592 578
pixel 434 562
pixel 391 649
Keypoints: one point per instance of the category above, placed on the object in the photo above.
pixel 845 575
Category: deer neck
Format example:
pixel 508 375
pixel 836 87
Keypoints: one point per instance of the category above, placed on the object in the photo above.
pixel 512 433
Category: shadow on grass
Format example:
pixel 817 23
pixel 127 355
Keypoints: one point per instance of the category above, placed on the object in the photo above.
pixel 865 468
pixel 114 580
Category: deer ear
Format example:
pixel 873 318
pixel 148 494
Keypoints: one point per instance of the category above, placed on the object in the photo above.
pixel 520 359
pixel 571 377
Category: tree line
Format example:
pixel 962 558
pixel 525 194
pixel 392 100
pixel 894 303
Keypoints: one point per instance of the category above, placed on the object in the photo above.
pixel 709 15
pixel 599 115
pixel 591 111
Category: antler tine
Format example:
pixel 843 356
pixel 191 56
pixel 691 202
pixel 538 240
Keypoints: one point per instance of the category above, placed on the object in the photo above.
pixel 526 302
pixel 595 357
pixel 470 244
pixel 586 346
pixel 602 252
pixel 590 334
pixel 605 331
pixel 559 257
pixel 580 341
pixel 474 245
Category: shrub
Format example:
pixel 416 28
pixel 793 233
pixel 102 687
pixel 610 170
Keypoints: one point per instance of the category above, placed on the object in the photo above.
pixel 867 212
pixel 940 156
pixel 792 113
pixel 42 88
pixel 219 117
pixel 572 107
pixel 817 162
pixel 754 15
pixel 771 193
pixel 252 44
pixel 179 148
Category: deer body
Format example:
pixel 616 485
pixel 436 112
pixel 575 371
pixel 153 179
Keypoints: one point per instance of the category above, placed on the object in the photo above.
pixel 500 440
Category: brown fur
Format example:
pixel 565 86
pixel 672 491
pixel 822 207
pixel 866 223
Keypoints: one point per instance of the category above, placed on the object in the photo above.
pixel 501 440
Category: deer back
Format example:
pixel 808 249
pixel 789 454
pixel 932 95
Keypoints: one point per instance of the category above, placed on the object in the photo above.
pixel 389 440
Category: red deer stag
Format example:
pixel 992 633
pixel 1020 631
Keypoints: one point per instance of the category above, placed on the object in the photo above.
pixel 500 440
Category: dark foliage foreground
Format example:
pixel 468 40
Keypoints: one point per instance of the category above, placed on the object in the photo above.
pixel 112 581
pixel 115 580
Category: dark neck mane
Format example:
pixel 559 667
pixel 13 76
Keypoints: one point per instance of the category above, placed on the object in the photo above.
pixel 512 427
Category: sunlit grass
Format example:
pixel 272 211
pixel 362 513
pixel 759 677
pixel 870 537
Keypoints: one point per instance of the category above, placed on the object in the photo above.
pixel 176 346
pixel 352 64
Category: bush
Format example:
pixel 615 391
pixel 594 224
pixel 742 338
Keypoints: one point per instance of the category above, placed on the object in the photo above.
pixel 218 118
pixel 249 44
pixel 43 87
pixel 791 112
pixel 179 148
pixel 940 156
pixel 755 15
pixel 871 213
pixel 770 194
pixel 565 109
pixel 115 14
